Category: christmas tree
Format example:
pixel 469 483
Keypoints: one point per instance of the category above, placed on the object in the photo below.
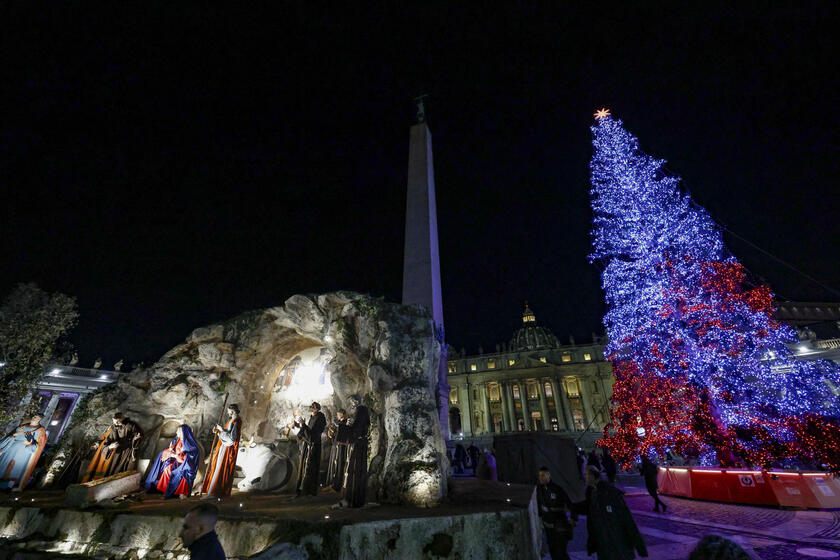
pixel 702 367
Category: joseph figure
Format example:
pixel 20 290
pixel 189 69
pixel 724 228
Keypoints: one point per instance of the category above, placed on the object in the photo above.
pixel 116 451
pixel 355 479
pixel 218 481
pixel 309 434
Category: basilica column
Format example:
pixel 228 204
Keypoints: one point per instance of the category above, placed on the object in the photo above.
pixel 564 406
pixel 523 398
pixel 466 409
pixel 558 405
pixel 503 403
pixel 511 408
pixel 584 396
pixel 544 407
pixel 488 416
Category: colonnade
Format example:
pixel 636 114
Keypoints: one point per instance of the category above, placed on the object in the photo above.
pixel 511 414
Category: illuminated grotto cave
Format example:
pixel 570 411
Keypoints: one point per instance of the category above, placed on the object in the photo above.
pixel 277 360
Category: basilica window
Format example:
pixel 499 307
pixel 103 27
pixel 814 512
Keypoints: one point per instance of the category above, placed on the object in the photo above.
pixel 542 359
pixel 497 423
pixel 536 421
pixel 567 357
pixel 521 425
pixel 516 391
pixel 554 425
pixel 511 362
pixel 533 390
pixel 587 356
pixel 453 395
pixel 577 416
pixel 473 367
pixel 548 391
pixel 572 387
pixel 491 364
pixel 453 368
pixel 493 393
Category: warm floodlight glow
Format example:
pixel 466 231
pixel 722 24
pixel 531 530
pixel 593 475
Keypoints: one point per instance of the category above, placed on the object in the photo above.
pixel 55 371
pixel 311 381
pixel 104 377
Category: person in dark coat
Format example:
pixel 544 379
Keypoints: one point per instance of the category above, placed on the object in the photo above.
pixel 310 454
pixel 610 468
pixel 460 459
pixel 593 460
pixel 355 481
pixel 649 471
pixel 554 507
pixel 339 432
pixel 612 532
pixel 473 453
pixel 198 533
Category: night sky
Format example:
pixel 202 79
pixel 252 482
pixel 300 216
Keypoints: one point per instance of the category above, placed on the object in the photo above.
pixel 175 166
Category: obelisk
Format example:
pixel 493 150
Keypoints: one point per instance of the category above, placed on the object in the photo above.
pixel 421 262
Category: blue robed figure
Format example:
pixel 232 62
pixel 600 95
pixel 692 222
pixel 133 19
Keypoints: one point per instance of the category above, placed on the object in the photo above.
pixel 173 471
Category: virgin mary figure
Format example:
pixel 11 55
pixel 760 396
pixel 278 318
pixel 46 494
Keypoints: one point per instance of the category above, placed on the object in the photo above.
pixel 173 471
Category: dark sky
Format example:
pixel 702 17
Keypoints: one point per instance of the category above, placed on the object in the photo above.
pixel 174 166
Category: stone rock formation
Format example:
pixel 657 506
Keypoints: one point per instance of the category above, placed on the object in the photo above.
pixel 275 361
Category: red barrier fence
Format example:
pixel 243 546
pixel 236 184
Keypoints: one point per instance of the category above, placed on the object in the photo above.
pixel 745 486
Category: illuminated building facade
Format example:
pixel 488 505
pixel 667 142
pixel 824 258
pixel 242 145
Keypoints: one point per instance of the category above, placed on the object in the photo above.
pixel 534 383
pixel 60 390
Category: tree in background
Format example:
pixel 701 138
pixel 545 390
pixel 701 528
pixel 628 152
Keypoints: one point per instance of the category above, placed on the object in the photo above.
pixel 702 367
pixel 33 326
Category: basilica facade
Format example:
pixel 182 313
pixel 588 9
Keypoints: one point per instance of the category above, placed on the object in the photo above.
pixel 532 383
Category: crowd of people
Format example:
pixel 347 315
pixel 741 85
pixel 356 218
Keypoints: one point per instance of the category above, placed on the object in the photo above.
pixel 611 531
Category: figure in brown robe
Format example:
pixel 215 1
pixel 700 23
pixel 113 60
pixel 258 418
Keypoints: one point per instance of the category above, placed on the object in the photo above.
pixel 116 451
pixel 339 432
pixel 356 476
pixel 309 434
pixel 218 481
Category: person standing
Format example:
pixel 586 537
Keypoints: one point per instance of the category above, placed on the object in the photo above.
pixel 612 532
pixel 473 453
pixel 198 533
pixel 355 481
pixel 339 432
pixel 554 508
pixel 173 470
pixel 487 466
pixel 460 459
pixel 116 451
pixel 309 434
pixel 593 460
pixel 610 468
pixel 218 481
pixel 650 472
pixel 19 453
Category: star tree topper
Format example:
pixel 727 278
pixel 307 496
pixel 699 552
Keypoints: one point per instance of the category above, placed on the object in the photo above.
pixel 602 113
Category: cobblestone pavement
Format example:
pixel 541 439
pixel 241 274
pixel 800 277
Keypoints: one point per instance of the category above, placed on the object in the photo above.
pixel 765 533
